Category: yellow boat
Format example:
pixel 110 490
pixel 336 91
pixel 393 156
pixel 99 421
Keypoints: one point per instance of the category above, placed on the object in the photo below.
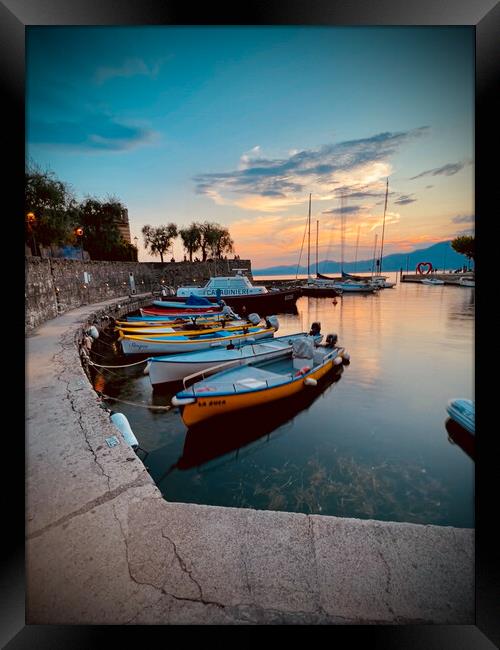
pixel 185 342
pixel 184 329
pixel 254 384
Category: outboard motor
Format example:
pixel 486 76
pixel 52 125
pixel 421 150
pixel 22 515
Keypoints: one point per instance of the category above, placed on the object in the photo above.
pixel 272 321
pixel 315 329
pixel 254 319
pixel 331 340
pixel 228 312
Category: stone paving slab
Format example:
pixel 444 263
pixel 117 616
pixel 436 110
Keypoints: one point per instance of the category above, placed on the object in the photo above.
pixel 104 547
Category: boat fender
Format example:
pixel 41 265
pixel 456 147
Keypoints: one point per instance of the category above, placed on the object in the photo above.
pixel 254 318
pixel 123 426
pixel 337 361
pixel 302 371
pixel 310 381
pixel 346 357
pixel 93 332
pixel 146 369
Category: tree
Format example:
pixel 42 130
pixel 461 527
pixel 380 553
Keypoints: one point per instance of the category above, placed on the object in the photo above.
pixel 191 239
pixel 216 239
pixel 52 208
pixel 159 240
pixel 101 237
pixel 465 245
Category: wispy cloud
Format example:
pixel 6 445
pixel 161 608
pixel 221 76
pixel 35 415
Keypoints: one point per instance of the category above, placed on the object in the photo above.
pixel 445 170
pixel 405 199
pixel 463 219
pixel 96 132
pixel 129 68
pixel 271 184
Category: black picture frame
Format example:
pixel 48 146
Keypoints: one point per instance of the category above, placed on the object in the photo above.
pixel 484 15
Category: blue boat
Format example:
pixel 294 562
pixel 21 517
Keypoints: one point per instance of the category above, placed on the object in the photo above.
pixel 462 411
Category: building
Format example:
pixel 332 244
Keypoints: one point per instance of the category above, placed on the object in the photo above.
pixel 124 226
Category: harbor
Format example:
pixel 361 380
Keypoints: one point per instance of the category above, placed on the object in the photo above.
pixel 145 559
pixel 250 326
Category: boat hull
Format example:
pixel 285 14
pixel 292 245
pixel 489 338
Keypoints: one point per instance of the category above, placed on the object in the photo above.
pixel 137 345
pixel 462 411
pixel 205 408
pixel 176 368
pixel 266 304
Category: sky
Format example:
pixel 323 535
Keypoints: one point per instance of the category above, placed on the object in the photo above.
pixel 239 125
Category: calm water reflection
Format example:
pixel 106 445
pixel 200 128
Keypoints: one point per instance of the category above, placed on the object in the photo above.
pixel 370 442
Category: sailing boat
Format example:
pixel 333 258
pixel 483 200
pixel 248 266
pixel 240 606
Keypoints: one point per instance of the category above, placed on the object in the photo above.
pixel 379 280
pixel 347 283
pixel 316 287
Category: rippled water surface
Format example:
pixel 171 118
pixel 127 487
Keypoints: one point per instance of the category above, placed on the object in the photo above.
pixel 370 442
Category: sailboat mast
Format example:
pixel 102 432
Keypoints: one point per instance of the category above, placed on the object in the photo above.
pixel 383 225
pixel 309 239
pixel 374 253
pixel 342 226
pixel 356 253
pixel 317 232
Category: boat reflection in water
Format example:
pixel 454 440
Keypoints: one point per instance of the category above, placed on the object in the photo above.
pixel 460 436
pixel 229 433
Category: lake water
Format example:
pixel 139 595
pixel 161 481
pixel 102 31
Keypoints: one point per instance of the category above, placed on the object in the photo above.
pixel 370 442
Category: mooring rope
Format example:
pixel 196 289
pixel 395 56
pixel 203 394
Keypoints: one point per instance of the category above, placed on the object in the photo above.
pixel 141 404
pixel 128 365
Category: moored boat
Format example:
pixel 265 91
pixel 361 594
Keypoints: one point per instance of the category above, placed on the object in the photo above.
pixel 224 286
pixel 184 328
pixel 432 281
pixel 135 344
pixel 462 411
pixel 257 383
pixel 176 367
pixel 467 282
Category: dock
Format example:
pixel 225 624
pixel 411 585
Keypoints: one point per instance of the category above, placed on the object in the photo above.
pixel 447 278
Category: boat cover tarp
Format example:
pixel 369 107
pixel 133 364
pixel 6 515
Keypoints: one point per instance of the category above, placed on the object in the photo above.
pixel 303 348
pixel 197 300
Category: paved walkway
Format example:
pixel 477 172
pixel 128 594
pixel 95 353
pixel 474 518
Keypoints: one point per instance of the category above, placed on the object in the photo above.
pixel 104 547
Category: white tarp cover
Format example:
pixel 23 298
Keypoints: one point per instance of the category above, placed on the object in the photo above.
pixel 303 348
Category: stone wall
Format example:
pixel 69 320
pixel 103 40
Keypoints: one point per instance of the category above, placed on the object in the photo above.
pixel 39 293
pixel 54 286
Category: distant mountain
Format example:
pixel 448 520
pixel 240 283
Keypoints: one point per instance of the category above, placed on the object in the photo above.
pixel 440 255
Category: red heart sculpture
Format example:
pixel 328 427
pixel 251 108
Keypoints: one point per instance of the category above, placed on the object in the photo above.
pixel 423 265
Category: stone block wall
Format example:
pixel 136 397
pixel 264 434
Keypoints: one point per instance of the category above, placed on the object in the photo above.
pixel 39 293
pixel 54 285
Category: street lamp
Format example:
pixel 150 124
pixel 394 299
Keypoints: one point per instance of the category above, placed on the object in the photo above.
pixel 79 233
pixel 31 219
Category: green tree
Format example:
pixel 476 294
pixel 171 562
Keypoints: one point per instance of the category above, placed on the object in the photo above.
pixel 101 236
pixel 158 240
pixel 191 239
pixel 216 239
pixel 465 245
pixel 51 206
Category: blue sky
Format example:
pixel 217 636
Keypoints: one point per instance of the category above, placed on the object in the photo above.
pixel 238 125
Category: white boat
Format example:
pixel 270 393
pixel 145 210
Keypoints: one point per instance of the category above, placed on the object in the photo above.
pixel 463 411
pixel 238 285
pixel 377 281
pixel 182 343
pixel 176 367
pixel 432 281
pixel 467 282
